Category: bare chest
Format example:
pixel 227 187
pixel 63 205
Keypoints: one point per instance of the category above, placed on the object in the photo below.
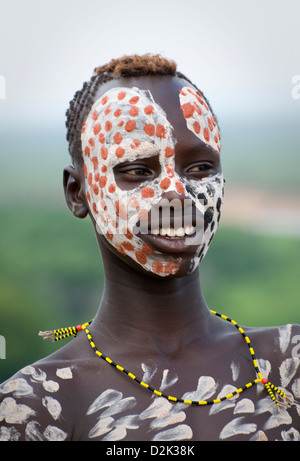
pixel 123 410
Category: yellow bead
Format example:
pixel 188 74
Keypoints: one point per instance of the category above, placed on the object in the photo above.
pixel 157 393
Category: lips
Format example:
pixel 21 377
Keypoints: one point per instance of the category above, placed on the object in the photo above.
pixel 171 230
pixel 185 244
pixel 173 239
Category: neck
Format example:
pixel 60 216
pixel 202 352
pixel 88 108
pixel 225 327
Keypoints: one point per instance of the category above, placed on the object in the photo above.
pixel 156 311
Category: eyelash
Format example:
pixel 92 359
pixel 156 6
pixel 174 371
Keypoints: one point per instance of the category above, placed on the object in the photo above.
pixel 202 167
pixel 144 170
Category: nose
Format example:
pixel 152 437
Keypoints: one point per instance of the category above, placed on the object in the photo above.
pixel 173 195
pixel 173 210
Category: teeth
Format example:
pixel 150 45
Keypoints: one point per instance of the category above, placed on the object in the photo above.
pixel 180 232
pixel 189 230
pixel 170 232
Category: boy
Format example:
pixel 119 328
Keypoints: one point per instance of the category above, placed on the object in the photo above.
pixel 155 364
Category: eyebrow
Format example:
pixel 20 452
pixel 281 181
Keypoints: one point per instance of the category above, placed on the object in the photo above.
pixel 137 153
pixel 143 151
pixel 200 148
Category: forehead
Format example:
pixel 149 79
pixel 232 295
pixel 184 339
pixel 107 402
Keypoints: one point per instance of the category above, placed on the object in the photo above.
pixel 166 92
pixel 164 89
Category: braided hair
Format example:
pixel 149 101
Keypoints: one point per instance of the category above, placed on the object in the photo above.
pixel 126 66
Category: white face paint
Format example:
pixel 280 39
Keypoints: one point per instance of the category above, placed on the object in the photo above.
pixel 199 118
pixel 125 124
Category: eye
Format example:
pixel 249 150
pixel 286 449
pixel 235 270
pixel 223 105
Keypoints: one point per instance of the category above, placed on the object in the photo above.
pixel 199 168
pixel 129 175
pixel 138 172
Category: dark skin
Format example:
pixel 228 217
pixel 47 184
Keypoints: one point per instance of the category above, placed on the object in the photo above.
pixel 162 322
pixel 151 291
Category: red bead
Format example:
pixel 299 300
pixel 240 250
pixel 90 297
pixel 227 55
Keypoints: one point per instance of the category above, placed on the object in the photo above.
pixel 79 328
pixel 264 380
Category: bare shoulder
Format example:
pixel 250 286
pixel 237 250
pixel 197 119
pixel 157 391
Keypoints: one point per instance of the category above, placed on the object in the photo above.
pixel 276 342
pixel 277 350
pixel 34 403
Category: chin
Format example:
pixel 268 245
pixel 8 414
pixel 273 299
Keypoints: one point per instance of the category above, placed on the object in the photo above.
pixel 184 269
pixel 158 266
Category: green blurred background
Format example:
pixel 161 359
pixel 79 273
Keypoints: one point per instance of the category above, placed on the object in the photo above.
pixel 50 267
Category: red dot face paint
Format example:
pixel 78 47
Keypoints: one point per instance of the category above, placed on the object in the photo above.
pixel 169 151
pixel 165 183
pixel 147 192
pixel 126 124
pixel 97 129
pixel 149 129
pixel 118 138
pixel 130 125
pixel 95 115
pixel 134 111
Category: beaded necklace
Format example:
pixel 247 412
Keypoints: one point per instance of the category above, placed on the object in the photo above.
pixel 63 333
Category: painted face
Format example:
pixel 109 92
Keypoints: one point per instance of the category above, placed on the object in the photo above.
pixel 125 124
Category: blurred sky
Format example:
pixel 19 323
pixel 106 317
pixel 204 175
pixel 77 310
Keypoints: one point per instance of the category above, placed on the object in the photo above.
pixel 243 55
pixel 238 52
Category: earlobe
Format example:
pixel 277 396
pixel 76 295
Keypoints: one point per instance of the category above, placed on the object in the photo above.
pixel 74 192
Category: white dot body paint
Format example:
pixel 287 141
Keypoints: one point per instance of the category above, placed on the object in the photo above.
pixel 126 124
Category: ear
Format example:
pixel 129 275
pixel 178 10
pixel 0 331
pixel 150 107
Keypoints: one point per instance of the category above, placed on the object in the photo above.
pixel 74 192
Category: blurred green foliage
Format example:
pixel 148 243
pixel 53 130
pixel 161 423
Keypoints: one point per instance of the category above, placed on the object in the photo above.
pixel 51 276
pixel 252 277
